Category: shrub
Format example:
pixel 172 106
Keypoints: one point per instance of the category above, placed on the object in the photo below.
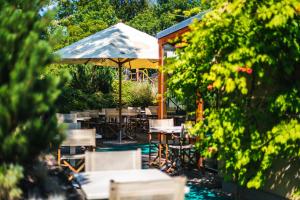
pixel 89 87
pixel 137 94
pixel 10 176
pixel 27 114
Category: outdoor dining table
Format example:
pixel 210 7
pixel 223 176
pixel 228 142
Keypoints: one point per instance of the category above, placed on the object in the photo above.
pixel 96 184
pixel 83 118
pixel 166 130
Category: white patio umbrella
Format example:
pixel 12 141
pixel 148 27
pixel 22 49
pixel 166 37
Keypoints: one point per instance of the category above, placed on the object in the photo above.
pixel 117 46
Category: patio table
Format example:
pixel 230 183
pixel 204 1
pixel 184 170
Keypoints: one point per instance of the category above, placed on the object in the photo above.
pixel 166 130
pixel 96 185
pixel 83 118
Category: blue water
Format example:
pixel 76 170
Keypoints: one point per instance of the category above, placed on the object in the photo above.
pixel 196 193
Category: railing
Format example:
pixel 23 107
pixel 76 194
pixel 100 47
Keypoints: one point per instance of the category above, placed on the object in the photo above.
pixel 178 107
pixel 143 76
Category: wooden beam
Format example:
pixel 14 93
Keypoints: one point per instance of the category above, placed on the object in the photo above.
pixel 162 111
pixel 162 108
pixel 172 36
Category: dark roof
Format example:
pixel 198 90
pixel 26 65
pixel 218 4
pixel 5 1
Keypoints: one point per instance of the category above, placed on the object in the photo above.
pixel 180 25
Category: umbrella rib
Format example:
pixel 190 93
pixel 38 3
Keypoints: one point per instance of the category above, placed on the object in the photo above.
pixel 119 62
pixel 87 61
pixel 127 60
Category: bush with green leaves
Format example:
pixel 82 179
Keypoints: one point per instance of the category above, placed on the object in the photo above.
pixel 88 87
pixel 243 58
pixel 136 94
pixel 10 175
pixel 28 123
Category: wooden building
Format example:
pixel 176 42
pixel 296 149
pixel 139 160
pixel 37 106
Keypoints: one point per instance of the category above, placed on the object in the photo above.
pixel 166 50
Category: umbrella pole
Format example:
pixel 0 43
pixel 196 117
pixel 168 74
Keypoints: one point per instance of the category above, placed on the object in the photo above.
pixel 120 102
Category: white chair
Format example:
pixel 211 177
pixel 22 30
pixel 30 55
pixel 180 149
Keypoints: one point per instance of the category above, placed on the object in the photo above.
pixel 172 189
pixel 138 109
pixel 72 125
pixel 81 113
pixel 151 110
pixel 76 138
pixel 93 113
pixel 157 123
pixel 67 118
pixel 113 160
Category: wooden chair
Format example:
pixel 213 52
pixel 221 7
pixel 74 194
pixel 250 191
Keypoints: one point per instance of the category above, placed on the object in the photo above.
pixel 157 143
pixel 111 122
pixel 131 121
pixel 113 160
pixel 76 138
pixel 172 189
pixel 180 150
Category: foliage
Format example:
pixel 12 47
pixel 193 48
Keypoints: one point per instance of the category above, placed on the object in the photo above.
pixel 88 88
pixel 296 194
pixel 9 178
pixel 87 17
pixel 91 78
pixel 78 19
pixel 27 113
pixel 243 58
pixel 136 94
pixel 164 14
pixel 142 22
pixel 174 11
pixel 128 9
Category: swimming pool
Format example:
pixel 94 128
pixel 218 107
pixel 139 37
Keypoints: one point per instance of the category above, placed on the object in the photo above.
pixel 196 192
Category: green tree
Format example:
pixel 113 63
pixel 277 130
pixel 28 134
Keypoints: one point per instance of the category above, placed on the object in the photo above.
pixel 27 115
pixel 173 11
pixel 86 18
pixel 141 22
pixel 128 9
pixel 243 58
pixel 163 14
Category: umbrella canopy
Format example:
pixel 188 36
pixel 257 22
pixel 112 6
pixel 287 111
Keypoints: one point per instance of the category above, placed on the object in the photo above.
pixel 117 44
